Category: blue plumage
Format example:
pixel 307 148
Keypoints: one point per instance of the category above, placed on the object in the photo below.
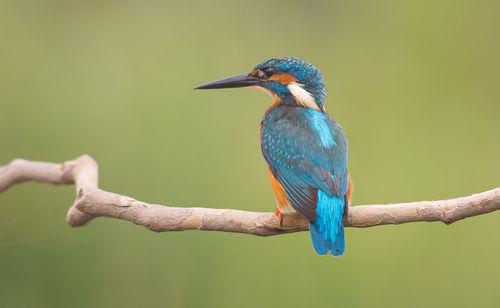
pixel 306 151
pixel 327 231
pixel 304 148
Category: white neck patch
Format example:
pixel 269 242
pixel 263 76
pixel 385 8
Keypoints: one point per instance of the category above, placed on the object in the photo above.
pixel 303 97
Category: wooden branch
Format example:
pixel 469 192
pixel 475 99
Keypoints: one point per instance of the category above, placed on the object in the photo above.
pixel 93 202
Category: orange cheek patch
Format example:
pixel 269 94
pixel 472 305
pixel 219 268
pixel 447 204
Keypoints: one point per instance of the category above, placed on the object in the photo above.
pixel 284 79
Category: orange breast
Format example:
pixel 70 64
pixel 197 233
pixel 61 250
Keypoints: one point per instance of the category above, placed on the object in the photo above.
pixel 349 191
pixel 279 193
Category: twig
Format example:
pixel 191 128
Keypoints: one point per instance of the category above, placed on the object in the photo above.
pixel 93 202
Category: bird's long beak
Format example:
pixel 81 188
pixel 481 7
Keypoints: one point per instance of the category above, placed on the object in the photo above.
pixel 245 80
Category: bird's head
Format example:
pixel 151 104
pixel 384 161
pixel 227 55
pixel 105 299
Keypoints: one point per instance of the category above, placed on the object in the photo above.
pixel 290 81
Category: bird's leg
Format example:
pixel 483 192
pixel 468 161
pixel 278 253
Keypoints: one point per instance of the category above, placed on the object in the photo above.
pixel 280 216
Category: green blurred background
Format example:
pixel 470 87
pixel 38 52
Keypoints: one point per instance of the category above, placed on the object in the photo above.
pixel 414 84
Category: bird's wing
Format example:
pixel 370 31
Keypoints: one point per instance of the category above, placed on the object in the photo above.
pixel 303 160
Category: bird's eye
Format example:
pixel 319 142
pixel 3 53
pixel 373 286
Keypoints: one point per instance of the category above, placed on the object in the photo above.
pixel 269 72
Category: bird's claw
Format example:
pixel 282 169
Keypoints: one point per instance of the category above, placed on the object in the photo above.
pixel 280 216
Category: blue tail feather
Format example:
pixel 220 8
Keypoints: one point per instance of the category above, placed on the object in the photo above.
pixel 327 231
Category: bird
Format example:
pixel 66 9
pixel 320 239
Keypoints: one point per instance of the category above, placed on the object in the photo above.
pixel 304 148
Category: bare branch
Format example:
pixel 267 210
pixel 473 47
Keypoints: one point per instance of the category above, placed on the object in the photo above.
pixel 93 202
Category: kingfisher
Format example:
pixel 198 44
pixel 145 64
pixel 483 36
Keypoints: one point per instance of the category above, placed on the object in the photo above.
pixel 304 148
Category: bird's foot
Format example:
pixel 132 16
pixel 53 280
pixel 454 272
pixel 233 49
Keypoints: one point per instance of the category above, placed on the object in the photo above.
pixel 280 216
